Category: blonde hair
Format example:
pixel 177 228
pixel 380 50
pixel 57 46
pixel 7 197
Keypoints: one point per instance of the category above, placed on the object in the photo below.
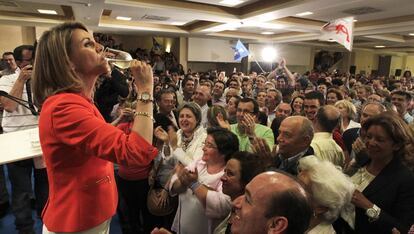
pixel 52 72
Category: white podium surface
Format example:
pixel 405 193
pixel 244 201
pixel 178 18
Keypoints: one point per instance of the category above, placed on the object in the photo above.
pixel 20 145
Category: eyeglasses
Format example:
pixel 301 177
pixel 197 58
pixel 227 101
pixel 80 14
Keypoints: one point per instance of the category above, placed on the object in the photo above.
pixel 209 145
pixel 244 111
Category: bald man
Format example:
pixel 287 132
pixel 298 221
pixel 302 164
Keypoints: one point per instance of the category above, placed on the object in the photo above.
pixel 326 120
pixel 295 137
pixel 273 203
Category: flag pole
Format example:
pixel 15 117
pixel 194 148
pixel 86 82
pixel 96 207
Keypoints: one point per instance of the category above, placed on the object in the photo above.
pixel 254 58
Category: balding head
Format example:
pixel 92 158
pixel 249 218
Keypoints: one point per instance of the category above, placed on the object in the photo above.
pixel 328 118
pixel 295 135
pixel 274 202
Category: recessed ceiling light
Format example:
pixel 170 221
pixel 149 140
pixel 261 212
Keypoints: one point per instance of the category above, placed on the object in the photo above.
pixel 331 40
pixel 231 2
pixel 123 18
pixel 305 13
pixel 355 20
pixel 48 12
pixel 178 23
pixel 267 33
pixel 411 34
pixel 379 46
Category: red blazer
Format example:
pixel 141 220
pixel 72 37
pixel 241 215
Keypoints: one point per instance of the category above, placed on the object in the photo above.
pixel 79 148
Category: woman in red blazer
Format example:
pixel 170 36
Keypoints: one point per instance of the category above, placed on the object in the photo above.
pixel 79 147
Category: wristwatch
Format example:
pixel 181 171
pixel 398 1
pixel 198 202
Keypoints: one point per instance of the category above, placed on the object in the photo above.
pixel 145 97
pixel 373 213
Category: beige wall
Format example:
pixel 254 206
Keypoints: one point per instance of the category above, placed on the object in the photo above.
pixel 364 61
pixel 409 63
pixel 10 38
pixel 396 63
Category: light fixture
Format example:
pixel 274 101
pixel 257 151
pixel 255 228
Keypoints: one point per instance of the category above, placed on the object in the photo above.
pixel 355 20
pixel 178 23
pixel 47 12
pixel 267 33
pixel 379 46
pixel 331 40
pixel 411 34
pixel 231 2
pixel 269 54
pixel 123 18
pixel 305 13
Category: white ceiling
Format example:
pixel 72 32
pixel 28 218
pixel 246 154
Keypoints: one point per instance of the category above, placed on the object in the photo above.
pixel 390 26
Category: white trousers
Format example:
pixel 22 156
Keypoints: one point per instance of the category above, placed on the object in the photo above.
pixel 102 228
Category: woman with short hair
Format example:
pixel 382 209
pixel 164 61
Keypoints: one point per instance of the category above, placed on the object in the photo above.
pixel 331 190
pixel 199 211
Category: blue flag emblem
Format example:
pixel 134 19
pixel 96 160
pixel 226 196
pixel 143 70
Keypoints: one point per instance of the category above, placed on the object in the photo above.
pixel 240 51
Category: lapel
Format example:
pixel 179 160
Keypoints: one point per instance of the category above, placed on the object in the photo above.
pixel 385 177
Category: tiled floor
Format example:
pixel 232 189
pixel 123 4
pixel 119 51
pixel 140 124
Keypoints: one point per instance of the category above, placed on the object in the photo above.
pixel 7 222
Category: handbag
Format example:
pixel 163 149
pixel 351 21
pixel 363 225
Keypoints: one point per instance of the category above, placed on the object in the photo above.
pixel 156 196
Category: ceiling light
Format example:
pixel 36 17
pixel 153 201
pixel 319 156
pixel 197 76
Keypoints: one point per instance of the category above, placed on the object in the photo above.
pixel 178 23
pixel 267 33
pixel 269 54
pixel 331 40
pixel 411 34
pixel 305 13
pixel 379 46
pixel 123 18
pixel 269 25
pixel 231 2
pixel 48 12
pixel 355 20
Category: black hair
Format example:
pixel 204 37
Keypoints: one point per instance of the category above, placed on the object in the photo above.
pixel 250 165
pixel 316 95
pixel 226 141
pixel 18 51
pixel 255 104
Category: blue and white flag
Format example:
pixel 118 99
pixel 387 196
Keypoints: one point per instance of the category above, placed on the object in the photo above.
pixel 240 51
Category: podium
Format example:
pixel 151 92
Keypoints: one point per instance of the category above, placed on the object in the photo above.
pixel 20 145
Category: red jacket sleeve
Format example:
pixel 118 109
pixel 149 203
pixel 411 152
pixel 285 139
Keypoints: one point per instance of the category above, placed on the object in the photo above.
pixel 77 123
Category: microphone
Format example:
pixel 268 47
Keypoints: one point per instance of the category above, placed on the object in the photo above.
pixel 20 101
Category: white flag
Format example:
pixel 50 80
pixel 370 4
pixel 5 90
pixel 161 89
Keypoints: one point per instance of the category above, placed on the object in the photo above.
pixel 339 30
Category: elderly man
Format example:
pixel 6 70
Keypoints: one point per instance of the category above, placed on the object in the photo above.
pixel 201 96
pixel 246 127
pixel 273 99
pixel 273 203
pixel 295 137
pixel 283 110
pixel 324 146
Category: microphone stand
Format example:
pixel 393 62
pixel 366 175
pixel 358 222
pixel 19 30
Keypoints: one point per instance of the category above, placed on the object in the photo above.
pixel 22 102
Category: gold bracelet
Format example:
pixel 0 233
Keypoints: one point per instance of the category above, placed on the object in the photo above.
pixel 146 114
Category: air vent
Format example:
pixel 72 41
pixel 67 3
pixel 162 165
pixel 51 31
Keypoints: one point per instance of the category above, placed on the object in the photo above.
pixel 155 18
pixel 8 4
pixel 362 10
pixel 106 12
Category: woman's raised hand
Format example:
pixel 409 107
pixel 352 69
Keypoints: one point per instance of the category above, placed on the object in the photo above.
pixel 142 73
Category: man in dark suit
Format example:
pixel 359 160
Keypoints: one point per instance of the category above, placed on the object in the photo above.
pixel 295 136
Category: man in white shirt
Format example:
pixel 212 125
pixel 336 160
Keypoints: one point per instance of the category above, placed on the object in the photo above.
pixel 16 118
pixel 201 96
pixel 324 146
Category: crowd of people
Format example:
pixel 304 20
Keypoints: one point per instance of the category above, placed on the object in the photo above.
pixel 282 152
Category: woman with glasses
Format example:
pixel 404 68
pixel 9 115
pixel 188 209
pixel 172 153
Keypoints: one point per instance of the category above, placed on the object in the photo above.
pixel 202 204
